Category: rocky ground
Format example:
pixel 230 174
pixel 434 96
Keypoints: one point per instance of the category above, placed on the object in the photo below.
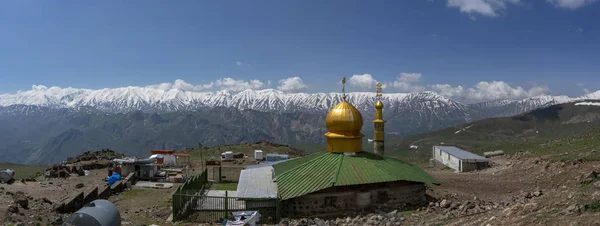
pixel 33 202
pixel 515 191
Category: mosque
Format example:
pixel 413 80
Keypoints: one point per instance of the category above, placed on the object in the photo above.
pixel 345 178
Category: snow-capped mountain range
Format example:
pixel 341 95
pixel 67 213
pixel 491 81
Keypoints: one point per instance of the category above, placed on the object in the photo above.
pixel 149 99
pixel 48 124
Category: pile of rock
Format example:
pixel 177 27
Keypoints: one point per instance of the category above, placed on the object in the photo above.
pixel 20 201
pixel 387 219
pixel 95 155
pixel 454 208
pixel 58 171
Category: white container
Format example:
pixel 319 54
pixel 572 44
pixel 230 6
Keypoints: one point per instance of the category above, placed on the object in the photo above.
pixel 258 155
pixel 6 175
pixel 228 155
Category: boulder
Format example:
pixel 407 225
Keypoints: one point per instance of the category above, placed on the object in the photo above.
pixel 63 173
pixel 530 207
pixel 46 200
pixel 445 203
pixel 21 199
pixel 81 171
pixel 13 208
pixel 52 173
pixel 573 209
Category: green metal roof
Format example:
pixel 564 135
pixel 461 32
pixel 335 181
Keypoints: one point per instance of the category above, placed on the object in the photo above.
pixel 318 171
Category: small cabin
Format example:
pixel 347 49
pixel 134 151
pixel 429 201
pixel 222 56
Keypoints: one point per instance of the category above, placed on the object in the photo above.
pixel 458 159
pixel 167 157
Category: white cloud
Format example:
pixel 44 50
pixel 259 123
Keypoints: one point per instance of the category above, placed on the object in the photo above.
pixel 364 81
pixel 239 63
pixel 292 85
pixel 182 85
pixel 39 87
pixel 582 86
pixel 571 4
pixel 447 90
pixel 407 87
pixel 410 77
pixel 490 8
pixel 404 82
pixel 231 84
pixel 485 91
pixel 482 91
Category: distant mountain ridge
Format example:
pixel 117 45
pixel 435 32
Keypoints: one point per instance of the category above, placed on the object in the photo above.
pixel 147 99
pixel 46 125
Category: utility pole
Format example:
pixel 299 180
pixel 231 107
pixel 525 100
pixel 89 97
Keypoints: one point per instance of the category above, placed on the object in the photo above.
pixel 201 158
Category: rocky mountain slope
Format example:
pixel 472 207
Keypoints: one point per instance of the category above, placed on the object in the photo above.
pixel 550 130
pixel 31 134
pixel 46 124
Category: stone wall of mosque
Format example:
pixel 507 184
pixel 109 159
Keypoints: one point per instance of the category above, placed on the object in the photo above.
pixel 339 201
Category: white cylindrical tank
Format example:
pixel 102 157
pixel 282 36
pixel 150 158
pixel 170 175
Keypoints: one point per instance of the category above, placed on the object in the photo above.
pixel 258 155
pixel 99 212
pixel 6 175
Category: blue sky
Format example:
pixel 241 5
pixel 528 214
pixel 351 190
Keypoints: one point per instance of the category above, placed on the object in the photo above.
pixel 410 45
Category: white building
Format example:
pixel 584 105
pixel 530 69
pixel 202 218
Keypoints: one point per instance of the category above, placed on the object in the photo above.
pixel 458 159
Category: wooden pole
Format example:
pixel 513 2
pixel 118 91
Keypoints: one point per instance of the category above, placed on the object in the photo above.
pixel 201 158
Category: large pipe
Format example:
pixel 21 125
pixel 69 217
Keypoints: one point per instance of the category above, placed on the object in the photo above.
pixel 99 212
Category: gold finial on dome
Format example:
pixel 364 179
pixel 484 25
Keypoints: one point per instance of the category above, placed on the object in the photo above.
pixel 344 123
pixel 379 104
pixel 344 88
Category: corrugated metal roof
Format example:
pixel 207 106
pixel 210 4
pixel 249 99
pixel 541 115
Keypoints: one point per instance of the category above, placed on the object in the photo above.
pixel 459 153
pixel 257 183
pixel 323 170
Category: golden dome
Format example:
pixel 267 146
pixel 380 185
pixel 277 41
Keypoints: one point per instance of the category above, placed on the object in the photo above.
pixel 379 105
pixel 344 123
pixel 344 119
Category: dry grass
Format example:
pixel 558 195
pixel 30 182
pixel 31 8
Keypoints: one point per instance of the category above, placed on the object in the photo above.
pixel 23 171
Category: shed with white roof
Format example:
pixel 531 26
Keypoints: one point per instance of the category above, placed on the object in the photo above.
pixel 459 159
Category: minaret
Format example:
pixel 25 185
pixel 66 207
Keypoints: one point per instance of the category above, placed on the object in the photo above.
pixel 379 134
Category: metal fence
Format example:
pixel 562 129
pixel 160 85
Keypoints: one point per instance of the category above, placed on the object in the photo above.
pixel 190 200
pixel 186 195
pixel 215 209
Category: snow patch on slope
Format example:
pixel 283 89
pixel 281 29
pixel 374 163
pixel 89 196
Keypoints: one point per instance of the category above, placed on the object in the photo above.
pixel 588 103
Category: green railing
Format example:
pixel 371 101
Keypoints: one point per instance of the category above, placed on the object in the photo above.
pixel 186 195
pixel 191 198
pixel 216 209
